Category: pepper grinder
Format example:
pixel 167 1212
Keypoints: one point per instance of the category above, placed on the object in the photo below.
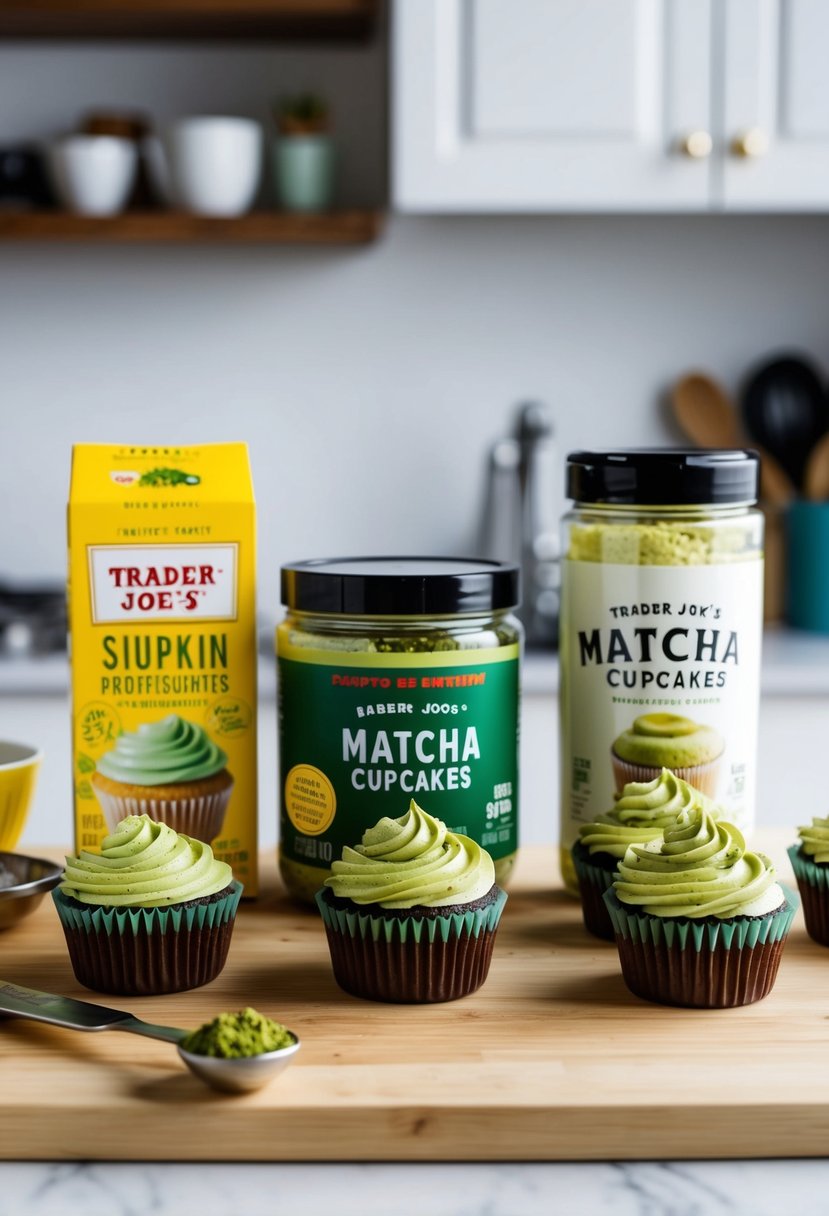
pixel 521 518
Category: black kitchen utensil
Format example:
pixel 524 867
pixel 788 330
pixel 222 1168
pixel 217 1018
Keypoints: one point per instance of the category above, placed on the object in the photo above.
pixel 23 181
pixel 785 409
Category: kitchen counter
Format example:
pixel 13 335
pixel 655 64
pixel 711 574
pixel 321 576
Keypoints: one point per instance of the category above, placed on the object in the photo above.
pixel 677 1188
pixel 794 664
pixel 795 670
pixel 708 1188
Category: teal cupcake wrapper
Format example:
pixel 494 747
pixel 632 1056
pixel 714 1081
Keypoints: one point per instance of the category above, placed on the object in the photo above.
pixel 593 881
pixel 595 875
pixel 645 929
pixel 98 919
pixel 410 928
pixel 815 874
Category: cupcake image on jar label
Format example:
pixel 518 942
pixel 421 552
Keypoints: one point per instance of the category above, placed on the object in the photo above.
pixel 657 741
pixel 170 770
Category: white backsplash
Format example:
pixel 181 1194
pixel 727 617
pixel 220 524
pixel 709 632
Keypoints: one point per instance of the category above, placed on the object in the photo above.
pixel 368 382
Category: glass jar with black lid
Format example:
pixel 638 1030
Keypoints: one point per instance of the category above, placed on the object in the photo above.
pixel 398 680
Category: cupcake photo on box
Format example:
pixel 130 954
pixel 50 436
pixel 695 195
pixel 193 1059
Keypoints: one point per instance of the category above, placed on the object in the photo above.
pixel 170 770
pixel 640 814
pixel 699 921
pixel 153 912
pixel 810 862
pixel 655 741
pixel 411 913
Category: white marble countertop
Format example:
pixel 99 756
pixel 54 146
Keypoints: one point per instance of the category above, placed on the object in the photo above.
pixel 794 664
pixel 709 1188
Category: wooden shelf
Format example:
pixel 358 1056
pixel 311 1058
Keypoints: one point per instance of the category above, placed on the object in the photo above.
pixel 260 227
pixel 187 18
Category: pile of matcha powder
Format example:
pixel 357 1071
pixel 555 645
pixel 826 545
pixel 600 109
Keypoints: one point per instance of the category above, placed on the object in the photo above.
pixel 237 1036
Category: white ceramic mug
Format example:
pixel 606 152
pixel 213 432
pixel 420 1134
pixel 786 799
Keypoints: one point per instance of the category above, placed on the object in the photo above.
pixel 214 164
pixel 93 174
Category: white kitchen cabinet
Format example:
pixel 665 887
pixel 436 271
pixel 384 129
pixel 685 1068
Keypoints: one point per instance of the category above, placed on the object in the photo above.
pixel 544 105
pixel 610 105
pixel 775 129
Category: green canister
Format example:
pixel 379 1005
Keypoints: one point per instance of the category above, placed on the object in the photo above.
pixel 661 626
pixel 398 679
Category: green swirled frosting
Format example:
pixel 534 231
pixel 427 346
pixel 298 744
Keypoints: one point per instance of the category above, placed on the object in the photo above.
pixel 641 812
pixel 814 840
pixel 145 864
pixel 414 860
pixel 163 753
pixel 700 867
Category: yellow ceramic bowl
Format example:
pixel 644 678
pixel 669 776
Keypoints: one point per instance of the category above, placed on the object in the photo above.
pixel 19 766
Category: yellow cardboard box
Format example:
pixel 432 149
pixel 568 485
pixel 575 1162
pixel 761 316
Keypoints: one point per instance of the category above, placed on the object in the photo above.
pixel 162 621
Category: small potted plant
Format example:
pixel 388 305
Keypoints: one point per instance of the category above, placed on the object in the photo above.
pixel 303 155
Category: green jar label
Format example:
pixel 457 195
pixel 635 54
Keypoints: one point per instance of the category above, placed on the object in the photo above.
pixel 361 734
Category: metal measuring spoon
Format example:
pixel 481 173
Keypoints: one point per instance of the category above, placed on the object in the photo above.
pixel 229 1076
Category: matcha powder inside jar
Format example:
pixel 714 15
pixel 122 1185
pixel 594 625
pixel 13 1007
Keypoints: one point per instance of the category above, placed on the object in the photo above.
pixel 661 626
pixel 398 679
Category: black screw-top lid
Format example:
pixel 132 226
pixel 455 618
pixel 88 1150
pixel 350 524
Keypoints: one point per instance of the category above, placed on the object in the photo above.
pixel 400 586
pixel 664 476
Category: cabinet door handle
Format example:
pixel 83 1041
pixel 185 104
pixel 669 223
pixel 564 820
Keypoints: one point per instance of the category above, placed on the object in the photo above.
pixel 697 145
pixel 751 143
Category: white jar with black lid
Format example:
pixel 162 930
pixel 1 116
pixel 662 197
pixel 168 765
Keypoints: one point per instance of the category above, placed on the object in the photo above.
pixel 661 629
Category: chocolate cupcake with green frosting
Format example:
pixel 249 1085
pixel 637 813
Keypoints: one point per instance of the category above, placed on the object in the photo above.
pixel 656 741
pixel 170 770
pixel 153 912
pixel 810 862
pixel 412 912
pixel 699 921
pixel 640 814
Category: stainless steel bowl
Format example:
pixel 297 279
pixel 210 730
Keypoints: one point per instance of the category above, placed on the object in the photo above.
pixel 23 883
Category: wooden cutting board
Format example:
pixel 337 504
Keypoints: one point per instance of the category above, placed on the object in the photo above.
pixel 553 1059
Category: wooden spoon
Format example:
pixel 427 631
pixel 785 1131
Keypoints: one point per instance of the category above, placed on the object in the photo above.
pixel 704 412
pixel 706 415
pixel 816 477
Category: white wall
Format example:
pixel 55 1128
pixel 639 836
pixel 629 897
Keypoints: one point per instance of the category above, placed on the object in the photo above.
pixel 368 382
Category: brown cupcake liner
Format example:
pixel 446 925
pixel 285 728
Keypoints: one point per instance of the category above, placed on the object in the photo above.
pixel 593 881
pixel 410 961
pixel 703 777
pixel 149 952
pixel 813 885
pixel 700 964
pixel 709 978
pixel 815 903
pixel 411 972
